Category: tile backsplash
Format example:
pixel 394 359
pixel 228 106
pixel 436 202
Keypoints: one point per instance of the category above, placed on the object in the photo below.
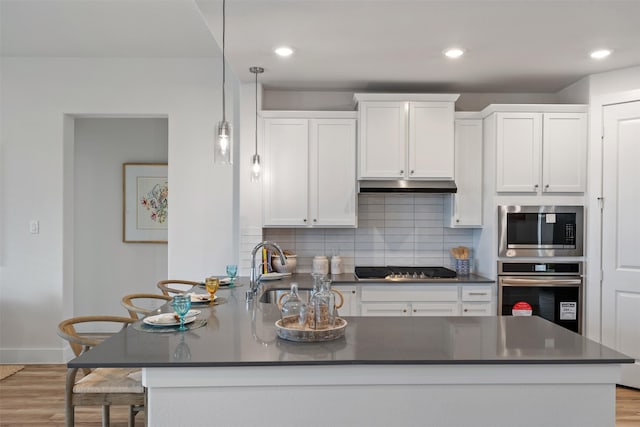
pixel 392 229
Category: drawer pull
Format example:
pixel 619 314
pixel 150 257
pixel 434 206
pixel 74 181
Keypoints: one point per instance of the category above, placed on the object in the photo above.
pixel 478 293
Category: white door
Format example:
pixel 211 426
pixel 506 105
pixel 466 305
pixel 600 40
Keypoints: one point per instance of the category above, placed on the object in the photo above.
pixel 621 235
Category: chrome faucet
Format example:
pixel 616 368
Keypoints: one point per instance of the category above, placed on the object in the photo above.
pixel 253 276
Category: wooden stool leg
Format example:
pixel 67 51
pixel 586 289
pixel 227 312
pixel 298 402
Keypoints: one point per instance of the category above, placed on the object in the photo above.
pixel 69 412
pixel 105 416
pixel 131 422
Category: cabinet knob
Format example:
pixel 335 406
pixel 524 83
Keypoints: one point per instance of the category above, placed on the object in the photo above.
pixel 535 186
pixel 404 311
pixel 466 309
pixel 415 311
pixel 411 172
pixel 402 172
pixel 457 220
pixel 315 220
pixel 546 187
pixel 304 220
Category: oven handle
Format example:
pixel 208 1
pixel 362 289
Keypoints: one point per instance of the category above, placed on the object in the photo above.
pixel 541 281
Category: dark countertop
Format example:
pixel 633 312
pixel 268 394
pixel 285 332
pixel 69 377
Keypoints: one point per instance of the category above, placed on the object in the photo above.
pixel 243 334
pixel 350 279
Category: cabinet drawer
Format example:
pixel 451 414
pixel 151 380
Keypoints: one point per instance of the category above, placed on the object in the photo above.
pixel 476 293
pixel 385 309
pixel 476 309
pixel 410 293
pixel 438 309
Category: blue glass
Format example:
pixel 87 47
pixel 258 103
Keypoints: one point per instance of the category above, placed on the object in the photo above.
pixel 232 270
pixel 181 305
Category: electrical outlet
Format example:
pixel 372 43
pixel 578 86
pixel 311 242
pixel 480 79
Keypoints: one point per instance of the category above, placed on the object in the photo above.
pixel 34 227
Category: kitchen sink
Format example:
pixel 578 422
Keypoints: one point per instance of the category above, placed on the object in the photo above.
pixel 272 296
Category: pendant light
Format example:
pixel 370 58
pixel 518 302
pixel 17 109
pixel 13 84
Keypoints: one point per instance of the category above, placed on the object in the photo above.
pixel 224 141
pixel 255 161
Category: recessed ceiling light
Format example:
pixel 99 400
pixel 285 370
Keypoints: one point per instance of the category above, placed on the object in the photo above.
pixel 600 53
pixel 454 52
pixel 283 51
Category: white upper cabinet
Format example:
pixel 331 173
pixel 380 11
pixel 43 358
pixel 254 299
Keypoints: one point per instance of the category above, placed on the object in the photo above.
pixel 431 140
pixel 383 130
pixel 465 206
pixel 405 136
pixel 541 152
pixel 286 173
pixel 564 137
pixel 310 171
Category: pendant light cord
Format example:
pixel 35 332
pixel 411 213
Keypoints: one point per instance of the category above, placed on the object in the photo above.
pixel 256 152
pixel 223 64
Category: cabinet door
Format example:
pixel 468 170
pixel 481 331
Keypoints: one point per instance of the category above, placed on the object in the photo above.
pixel 466 204
pixel 332 172
pixel 564 152
pixel 385 309
pixel 350 303
pixel 382 140
pixel 286 171
pixel 519 139
pixel 431 140
pixel 434 309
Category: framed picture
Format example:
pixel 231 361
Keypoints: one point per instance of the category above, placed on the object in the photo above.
pixel 146 202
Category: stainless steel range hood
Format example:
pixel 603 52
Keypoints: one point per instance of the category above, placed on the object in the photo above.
pixel 405 186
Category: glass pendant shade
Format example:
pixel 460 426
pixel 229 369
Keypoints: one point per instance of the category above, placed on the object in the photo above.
pixel 255 167
pixel 223 143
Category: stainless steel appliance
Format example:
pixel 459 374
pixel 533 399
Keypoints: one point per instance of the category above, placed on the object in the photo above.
pixel 551 290
pixel 403 274
pixel 540 231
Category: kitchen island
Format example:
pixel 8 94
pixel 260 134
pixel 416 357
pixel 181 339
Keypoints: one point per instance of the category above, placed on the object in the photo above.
pixel 398 371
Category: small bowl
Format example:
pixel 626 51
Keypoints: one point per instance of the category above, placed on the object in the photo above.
pixel 289 267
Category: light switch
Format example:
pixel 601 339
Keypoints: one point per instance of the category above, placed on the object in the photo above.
pixel 34 227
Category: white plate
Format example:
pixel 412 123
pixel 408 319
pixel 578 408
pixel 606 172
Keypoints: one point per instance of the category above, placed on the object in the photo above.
pixel 274 276
pixel 168 319
pixel 225 281
pixel 201 298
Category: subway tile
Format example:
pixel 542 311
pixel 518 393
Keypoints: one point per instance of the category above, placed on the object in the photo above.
pixel 399 246
pixel 362 216
pixel 370 261
pixel 371 223
pixel 399 238
pixel 339 247
pixel 428 246
pixel 371 208
pixel 429 216
pixel 429 199
pixel 371 199
pixel 399 223
pixel 388 231
pixel 406 216
pixel 398 199
pixel 428 223
pixel 398 208
pixel 429 261
pixel 399 260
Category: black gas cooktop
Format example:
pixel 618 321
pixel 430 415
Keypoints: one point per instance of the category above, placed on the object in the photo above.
pixel 403 274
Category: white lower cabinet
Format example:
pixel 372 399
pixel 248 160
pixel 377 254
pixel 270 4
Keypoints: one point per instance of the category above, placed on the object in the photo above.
pixel 427 300
pixel 350 303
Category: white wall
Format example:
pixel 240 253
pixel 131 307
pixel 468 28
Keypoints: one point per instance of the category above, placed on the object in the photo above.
pixel 101 146
pixel 343 100
pixel 38 97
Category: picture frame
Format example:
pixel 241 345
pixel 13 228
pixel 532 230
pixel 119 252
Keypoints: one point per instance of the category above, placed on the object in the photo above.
pixel 145 207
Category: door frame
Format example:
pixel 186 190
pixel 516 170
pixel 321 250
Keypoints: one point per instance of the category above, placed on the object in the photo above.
pixel 593 216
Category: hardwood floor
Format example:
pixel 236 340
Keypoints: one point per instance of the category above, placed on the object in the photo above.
pixel 35 397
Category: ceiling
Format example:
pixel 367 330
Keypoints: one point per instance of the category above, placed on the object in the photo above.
pixel 376 45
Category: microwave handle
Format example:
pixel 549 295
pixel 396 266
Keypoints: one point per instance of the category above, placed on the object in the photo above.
pixel 541 281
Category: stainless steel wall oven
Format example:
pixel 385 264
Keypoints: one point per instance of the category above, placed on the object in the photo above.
pixel 540 231
pixel 551 290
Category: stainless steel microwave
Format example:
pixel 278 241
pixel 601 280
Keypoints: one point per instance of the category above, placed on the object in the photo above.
pixel 540 231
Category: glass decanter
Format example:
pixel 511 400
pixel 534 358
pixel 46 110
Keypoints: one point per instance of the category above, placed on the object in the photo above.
pixel 324 305
pixel 290 310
